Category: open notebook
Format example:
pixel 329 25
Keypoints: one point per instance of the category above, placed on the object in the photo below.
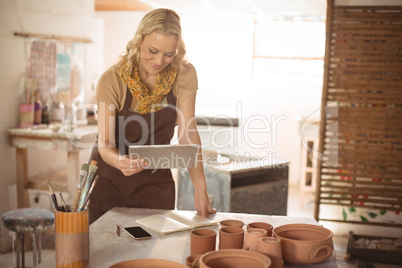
pixel 174 221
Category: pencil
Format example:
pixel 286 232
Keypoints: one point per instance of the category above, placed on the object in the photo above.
pixel 53 195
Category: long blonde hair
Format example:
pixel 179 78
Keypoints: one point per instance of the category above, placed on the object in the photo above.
pixel 164 20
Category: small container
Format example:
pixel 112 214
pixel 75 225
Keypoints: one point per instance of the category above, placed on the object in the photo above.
pixel 230 222
pixel 27 115
pixel 261 225
pixel 271 246
pixel 231 237
pixel 202 241
pixel 72 239
pixel 252 238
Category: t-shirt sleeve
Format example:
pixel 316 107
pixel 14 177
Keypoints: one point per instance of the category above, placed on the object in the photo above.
pixel 186 84
pixel 108 88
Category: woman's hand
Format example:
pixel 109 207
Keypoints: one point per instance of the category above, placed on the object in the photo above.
pixel 203 205
pixel 129 166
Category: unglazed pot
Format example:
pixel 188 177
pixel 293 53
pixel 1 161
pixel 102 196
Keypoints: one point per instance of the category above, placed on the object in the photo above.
pixel 231 237
pixel 304 243
pixel 234 258
pixel 190 260
pixel 252 238
pixel 261 225
pixel 202 241
pixel 229 222
pixel 148 263
pixel 271 246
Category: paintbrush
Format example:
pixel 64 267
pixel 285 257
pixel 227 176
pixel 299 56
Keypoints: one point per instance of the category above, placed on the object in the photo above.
pixel 53 195
pixel 81 181
pixel 63 202
pixel 86 202
pixel 91 171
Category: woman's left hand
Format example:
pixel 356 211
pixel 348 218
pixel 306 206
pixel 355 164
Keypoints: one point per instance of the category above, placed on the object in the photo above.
pixel 203 205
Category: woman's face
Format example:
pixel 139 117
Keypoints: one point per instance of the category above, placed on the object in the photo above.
pixel 157 50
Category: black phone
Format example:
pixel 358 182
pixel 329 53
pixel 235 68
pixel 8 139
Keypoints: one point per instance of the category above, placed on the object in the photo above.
pixel 137 232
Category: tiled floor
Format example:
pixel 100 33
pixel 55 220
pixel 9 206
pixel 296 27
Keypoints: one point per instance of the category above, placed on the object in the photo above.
pixel 295 208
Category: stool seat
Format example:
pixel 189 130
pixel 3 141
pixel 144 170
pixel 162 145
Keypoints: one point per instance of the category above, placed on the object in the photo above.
pixel 28 220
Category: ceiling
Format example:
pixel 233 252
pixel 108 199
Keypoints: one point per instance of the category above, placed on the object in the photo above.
pixel 191 6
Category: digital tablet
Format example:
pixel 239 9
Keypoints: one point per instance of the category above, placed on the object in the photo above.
pixel 166 156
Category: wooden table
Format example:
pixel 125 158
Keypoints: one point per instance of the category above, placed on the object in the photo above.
pixel 106 248
pixel 72 142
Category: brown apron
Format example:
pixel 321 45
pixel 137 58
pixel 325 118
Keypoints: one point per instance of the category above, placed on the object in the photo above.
pixel 148 188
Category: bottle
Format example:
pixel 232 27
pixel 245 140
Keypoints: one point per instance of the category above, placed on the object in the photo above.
pixel 37 109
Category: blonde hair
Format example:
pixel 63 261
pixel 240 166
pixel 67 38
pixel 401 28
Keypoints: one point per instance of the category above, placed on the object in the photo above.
pixel 163 20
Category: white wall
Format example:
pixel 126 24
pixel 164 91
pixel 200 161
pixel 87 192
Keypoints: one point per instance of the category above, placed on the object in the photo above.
pixel 54 17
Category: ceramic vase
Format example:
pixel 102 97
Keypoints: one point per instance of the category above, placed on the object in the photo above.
pixel 271 246
pixel 252 238
pixel 202 241
pixel 261 225
pixel 231 237
pixel 230 222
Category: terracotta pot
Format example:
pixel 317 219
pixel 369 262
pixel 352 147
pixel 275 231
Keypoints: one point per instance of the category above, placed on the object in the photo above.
pixel 252 238
pixel 271 246
pixel 234 258
pixel 202 241
pixel 231 237
pixel 304 243
pixel 190 260
pixel 261 225
pixel 148 263
pixel 229 222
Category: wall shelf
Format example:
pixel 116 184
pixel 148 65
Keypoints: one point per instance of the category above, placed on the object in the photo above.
pixel 55 37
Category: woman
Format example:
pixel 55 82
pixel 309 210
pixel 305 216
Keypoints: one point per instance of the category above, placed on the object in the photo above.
pixel 141 99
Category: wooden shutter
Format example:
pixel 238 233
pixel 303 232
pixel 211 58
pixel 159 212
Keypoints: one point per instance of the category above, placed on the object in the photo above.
pixel 361 121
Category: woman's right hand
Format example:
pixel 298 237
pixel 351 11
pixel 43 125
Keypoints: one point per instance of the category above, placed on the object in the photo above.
pixel 129 166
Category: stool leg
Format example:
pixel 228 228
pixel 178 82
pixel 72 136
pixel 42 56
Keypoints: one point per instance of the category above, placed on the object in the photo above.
pixel 34 252
pixel 39 240
pixel 22 250
pixel 18 257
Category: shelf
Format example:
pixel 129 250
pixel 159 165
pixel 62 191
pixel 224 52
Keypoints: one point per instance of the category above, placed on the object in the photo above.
pixel 55 37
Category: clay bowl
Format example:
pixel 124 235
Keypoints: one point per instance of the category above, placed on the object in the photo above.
pixel 234 258
pixel 304 243
pixel 148 263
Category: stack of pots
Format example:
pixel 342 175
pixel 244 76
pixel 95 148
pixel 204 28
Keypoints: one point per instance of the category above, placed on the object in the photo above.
pixel 258 244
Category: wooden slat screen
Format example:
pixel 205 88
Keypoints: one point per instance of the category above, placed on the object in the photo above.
pixel 362 143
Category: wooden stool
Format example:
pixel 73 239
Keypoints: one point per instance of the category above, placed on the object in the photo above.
pixel 28 220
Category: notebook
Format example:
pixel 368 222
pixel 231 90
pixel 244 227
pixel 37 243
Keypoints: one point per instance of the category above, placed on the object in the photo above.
pixel 175 221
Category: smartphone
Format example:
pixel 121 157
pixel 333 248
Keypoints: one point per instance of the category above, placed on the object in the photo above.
pixel 137 232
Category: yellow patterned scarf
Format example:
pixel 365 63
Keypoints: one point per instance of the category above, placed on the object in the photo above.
pixel 148 102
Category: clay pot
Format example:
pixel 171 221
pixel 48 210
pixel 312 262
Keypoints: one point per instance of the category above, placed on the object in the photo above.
pixel 252 238
pixel 231 237
pixel 148 263
pixel 190 260
pixel 271 246
pixel 261 225
pixel 304 243
pixel 229 222
pixel 234 258
pixel 202 241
